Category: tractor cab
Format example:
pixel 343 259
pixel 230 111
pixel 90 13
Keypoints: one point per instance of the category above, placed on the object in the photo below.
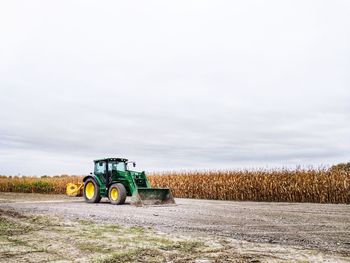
pixel 114 169
pixel 107 168
pixel 113 179
pixel 112 164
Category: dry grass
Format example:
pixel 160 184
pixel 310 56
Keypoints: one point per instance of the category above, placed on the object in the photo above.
pixel 31 184
pixel 317 186
pixel 313 185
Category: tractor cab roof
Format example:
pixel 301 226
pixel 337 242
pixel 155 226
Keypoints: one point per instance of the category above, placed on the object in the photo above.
pixel 112 159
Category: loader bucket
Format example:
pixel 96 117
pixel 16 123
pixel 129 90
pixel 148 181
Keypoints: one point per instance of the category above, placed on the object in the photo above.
pixel 152 196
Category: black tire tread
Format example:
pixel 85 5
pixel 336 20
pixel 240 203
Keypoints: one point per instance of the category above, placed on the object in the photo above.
pixel 97 197
pixel 122 194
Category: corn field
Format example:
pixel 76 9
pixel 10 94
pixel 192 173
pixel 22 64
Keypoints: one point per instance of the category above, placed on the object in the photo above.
pixel 31 184
pixel 314 185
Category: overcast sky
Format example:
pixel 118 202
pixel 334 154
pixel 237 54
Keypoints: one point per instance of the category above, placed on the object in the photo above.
pixel 173 84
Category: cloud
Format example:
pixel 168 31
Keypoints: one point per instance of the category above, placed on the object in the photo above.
pixel 185 85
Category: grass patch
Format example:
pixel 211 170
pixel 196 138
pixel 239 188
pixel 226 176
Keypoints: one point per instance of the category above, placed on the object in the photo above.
pixel 10 227
pixel 182 246
pixel 136 230
pixel 93 247
pixel 134 255
pixel 18 242
pixel 44 221
pixel 86 222
pixel 112 228
pixel 89 241
pixel 190 246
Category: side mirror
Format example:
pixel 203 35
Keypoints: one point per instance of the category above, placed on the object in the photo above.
pixel 134 164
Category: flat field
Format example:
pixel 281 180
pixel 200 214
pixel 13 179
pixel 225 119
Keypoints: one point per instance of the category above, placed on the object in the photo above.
pixel 299 185
pixel 39 227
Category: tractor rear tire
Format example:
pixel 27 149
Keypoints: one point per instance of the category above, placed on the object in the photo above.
pixel 117 194
pixel 91 191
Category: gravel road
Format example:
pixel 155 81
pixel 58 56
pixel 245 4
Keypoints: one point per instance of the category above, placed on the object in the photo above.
pixel 324 227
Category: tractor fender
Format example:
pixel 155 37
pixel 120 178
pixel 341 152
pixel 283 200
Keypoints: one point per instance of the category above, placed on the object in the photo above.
pixel 91 177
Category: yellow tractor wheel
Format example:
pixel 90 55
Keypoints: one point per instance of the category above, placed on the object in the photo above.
pixel 117 194
pixel 91 191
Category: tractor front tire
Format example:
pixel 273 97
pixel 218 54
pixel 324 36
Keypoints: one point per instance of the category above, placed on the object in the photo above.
pixel 91 191
pixel 117 194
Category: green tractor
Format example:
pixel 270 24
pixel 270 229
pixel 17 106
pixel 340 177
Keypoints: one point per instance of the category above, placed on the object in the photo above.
pixel 113 179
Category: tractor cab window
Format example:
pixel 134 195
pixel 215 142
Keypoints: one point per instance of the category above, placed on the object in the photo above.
pixel 112 166
pixel 100 167
pixel 121 166
pixel 116 166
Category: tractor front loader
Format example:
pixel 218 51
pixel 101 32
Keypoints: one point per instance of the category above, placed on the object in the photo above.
pixel 113 179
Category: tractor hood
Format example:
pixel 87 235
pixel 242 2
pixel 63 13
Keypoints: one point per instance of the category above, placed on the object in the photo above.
pixel 135 173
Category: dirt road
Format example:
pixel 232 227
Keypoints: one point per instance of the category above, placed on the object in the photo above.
pixel 324 227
